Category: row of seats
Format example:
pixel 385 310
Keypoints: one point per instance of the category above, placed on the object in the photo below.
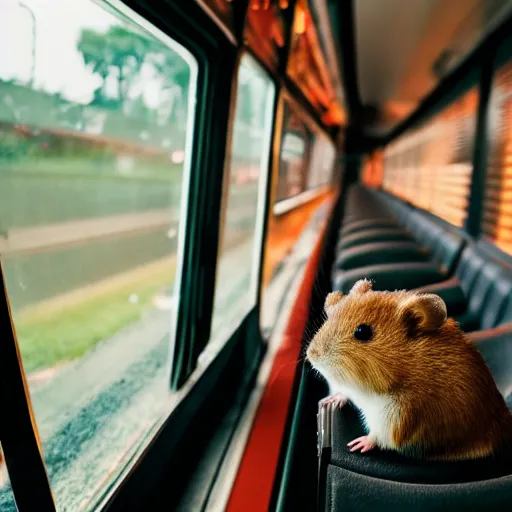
pixel 400 247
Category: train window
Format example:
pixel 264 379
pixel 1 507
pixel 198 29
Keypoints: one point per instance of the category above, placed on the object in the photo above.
pixel 322 162
pixel 295 146
pixel 497 208
pixel 431 167
pixel 95 125
pixel 239 256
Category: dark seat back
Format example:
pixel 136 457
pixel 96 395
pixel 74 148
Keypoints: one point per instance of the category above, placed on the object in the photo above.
pixel 495 310
pixel 447 249
pixel 487 285
pixel 506 313
pixel 444 242
pixel 497 352
pixel 470 264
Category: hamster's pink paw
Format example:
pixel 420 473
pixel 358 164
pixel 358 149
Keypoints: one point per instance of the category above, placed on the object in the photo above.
pixel 365 443
pixel 337 399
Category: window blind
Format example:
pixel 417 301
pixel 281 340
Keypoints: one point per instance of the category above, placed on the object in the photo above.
pixel 497 209
pixel 431 166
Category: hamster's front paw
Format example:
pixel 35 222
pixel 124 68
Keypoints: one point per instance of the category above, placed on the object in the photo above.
pixel 336 399
pixel 365 443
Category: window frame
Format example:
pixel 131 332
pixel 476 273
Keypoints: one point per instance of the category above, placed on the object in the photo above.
pixel 287 204
pixel 264 181
pixel 197 33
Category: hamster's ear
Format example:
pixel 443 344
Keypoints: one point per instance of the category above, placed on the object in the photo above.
pixel 362 286
pixel 423 312
pixel 331 301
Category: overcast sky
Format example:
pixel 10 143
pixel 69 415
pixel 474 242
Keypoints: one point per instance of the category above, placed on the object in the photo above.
pixel 59 66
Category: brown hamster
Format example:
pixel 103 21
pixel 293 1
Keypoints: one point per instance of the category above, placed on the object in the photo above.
pixel 420 384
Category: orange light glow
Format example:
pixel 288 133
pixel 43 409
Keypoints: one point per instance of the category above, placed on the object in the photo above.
pixel 373 170
pixel 335 116
pixel 277 34
pixel 307 67
pixel 300 23
pixel 264 32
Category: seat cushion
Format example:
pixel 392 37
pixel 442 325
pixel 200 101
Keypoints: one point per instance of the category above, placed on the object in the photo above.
pixel 374 223
pixel 351 492
pixel 399 276
pixel 374 235
pixel 377 253
pixel 390 465
pixel 495 345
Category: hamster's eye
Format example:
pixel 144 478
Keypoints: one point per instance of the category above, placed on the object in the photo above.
pixel 363 332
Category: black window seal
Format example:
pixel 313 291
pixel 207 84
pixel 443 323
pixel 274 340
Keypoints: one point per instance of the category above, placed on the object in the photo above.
pixel 18 434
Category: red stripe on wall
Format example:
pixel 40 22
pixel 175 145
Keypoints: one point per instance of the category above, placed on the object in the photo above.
pixel 253 485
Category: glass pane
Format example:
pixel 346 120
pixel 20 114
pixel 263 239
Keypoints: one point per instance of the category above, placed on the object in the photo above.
pixel 238 266
pixel 94 116
pixel 322 162
pixel 292 162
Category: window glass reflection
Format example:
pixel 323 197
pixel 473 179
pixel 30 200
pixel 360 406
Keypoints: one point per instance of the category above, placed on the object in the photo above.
pixel 94 112
pixel 238 266
pixel 295 146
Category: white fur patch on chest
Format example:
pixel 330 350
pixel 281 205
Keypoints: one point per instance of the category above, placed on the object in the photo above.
pixel 379 413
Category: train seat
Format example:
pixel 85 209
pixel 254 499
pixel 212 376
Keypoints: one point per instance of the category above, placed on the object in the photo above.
pixel 407 274
pixel 417 251
pixel 431 241
pixel 355 481
pixel 362 481
pixel 479 296
pixel 386 221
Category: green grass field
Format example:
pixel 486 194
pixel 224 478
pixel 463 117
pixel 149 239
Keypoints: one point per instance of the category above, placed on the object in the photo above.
pixel 66 327
pixel 94 168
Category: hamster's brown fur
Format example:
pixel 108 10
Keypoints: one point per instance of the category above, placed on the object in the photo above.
pixel 439 397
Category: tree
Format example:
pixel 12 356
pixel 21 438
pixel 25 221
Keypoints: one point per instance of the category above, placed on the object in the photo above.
pixel 118 52
pixel 121 53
